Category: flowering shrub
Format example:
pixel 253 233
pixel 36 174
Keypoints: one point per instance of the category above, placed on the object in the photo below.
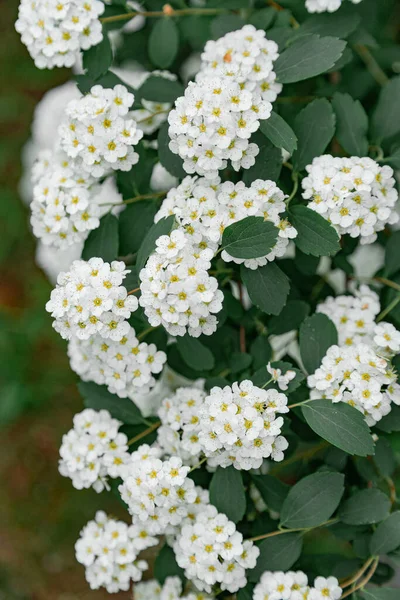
pixel 233 314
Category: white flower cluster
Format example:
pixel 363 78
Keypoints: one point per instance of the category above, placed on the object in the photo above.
pixel 153 114
pixel 205 208
pixel 171 590
pixel 358 376
pixel 354 317
pixel 93 450
pixel 320 6
pixel 239 426
pixel 108 549
pixel 55 31
pixel 125 366
pixel 64 206
pixel 176 290
pixel 180 424
pixel 98 135
pixel 213 121
pixel 158 493
pixel 293 585
pixel 355 194
pixel 212 551
pixel 90 299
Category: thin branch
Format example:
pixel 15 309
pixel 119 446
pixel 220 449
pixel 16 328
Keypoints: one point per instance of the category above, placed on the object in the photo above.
pixel 134 291
pixel 167 11
pixel 388 309
pixel 363 581
pixel 299 529
pixel 304 455
pixel 143 434
pixel 373 67
pixel 136 199
pixel 358 574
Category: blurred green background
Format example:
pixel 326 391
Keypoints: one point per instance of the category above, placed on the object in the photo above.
pixel 40 512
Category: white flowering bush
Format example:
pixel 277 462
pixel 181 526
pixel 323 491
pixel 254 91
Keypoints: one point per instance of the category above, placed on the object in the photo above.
pixel 217 202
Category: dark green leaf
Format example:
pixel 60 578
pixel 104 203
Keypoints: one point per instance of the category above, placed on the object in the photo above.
pixel 245 593
pixel 250 237
pixel 163 227
pixel 394 159
pixel 390 422
pixel 159 89
pixel 261 351
pixel 279 133
pixel 239 361
pixel 315 235
pixel 307 57
pixel 268 287
pixel 392 254
pixel 227 493
pixel 386 118
pixel 291 316
pixel 384 457
pixel 99 398
pixel 272 490
pixel 196 30
pixel 277 553
pixel 163 42
pixel 381 594
pixel 103 241
pixel 341 425
pixel 313 500
pixel 365 507
pixel 339 24
pixel 165 565
pixel 172 162
pixel 268 164
pixel 262 18
pixel 317 334
pixel 98 59
pixel 195 354
pixel 224 24
pixel 134 224
pixel 314 127
pixel 351 124
pixel 386 536
pixel 262 376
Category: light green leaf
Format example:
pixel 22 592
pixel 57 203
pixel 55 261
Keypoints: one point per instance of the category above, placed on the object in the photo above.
pixel 351 124
pixel 365 507
pixel 195 354
pixel 313 500
pixel 272 490
pixel 317 334
pixel 386 117
pixel 279 132
pixel 227 493
pixel 103 242
pixel 268 287
pixel 277 553
pixel 315 235
pixel 386 536
pixel 250 237
pixel 98 59
pixel 163 227
pixel 307 57
pixel 163 42
pixel 341 425
pixel 99 398
pixel 314 127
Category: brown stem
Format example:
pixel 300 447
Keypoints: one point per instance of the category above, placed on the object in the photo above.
pixel 150 429
pixel 134 291
pixel 167 11
pixel 357 575
pixel 136 199
pixel 363 581
pixel 373 67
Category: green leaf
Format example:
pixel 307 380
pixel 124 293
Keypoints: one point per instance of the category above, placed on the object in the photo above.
pixel 394 159
pixel 268 164
pixel 261 351
pixel 291 316
pixel 386 536
pixel 381 594
pixel 98 59
pixel 390 422
pixel 224 24
pixel 103 242
pixel 227 493
pixel 268 287
pixel 277 553
pixel 307 57
pixel 384 457
pixel 317 334
pixel 272 490
pixel 341 425
pixel 351 124
pixel 163 42
pixel 392 254
pixel 386 117
pixel 134 224
pixel 163 227
pixel 315 235
pixel 314 127
pixel 250 237
pixel 262 18
pixel 339 24
pixel 365 507
pixel 159 89
pixel 109 80
pixel 195 354
pixel 99 398
pixel 245 593
pixel 172 162
pixel 165 565
pixel 239 361
pixel 313 500
pixel 279 133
